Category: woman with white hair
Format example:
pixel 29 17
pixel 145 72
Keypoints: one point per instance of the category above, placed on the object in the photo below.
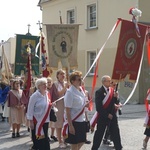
pixel 38 115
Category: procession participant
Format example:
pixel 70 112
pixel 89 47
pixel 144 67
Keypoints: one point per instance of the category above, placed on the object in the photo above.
pixel 147 121
pixel 58 90
pixel 17 102
pixel 52 124
pixel 38 115
pixel 107 137
pixel 75 102
pixel 105 98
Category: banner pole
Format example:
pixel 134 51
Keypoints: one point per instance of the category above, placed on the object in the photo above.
pixel 67 75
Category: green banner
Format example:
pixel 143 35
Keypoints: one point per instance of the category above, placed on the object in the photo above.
pixel 22 43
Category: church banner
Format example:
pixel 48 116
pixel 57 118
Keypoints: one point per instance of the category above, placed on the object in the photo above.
pixel 22 44
pixel 62 40
pixel 129 51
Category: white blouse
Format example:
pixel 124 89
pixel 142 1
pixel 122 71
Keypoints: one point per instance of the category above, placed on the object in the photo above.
pixel 37 106
pixel 75 100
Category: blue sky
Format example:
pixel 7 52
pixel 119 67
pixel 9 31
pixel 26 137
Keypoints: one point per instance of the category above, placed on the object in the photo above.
pixel 16 15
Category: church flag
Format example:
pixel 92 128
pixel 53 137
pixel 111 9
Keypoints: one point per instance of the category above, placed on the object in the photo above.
pixel 28 76
pixel 129 51
pixel 5 68
pixel 29 73
pixel 21 58
pixel 45 71
pixel 62 40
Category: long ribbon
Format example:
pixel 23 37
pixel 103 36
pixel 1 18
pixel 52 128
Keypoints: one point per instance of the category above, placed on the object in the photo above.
pixel 101 50
pixel 93 86
pixel 135 85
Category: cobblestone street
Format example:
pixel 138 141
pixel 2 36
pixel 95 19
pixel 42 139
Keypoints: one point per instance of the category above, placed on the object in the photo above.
pixel 130 122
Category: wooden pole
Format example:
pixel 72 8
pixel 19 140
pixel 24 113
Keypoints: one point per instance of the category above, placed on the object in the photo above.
pixel 67 73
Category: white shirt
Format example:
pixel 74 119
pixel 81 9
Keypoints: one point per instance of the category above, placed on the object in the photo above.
pixel 75 100
pixel 37 106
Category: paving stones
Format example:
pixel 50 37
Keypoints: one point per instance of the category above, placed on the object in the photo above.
pixel 130 123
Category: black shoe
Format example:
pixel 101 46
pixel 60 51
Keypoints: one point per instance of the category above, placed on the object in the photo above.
pixel 49 140
pixel 3 118
pixel 106 142
pixel 17 134
pixel 87 142
pixel 54 138
pixel 28 129
pixel 32 148
pixel 13 135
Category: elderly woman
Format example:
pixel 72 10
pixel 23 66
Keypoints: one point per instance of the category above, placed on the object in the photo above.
pixel 17 102
pixel 75 102
pixel 38 115
pixel 58 90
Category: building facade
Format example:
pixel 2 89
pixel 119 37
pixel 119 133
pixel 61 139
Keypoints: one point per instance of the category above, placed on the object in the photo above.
pixel 96 19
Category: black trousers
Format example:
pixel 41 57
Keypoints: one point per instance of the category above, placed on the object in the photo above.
pixel 113 129
pixel 42 144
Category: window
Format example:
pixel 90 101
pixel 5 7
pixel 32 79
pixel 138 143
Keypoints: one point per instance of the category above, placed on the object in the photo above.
pixel 91 16
pixel 91 57
pixel 70 16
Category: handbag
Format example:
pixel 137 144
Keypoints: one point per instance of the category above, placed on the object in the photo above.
pixel 52 115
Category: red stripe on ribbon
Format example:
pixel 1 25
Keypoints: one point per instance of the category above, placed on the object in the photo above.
pixel 66 125
pixel 96 115
pixel 93 85
pixel 46 115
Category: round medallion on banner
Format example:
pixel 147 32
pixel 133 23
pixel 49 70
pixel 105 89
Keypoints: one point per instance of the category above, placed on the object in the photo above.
pixel 130 48
pixel 62 45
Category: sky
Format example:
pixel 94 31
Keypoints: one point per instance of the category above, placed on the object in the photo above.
pixel 16 15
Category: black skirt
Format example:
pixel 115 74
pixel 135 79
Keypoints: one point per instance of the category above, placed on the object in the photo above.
pixel 80 133
pixel 147 132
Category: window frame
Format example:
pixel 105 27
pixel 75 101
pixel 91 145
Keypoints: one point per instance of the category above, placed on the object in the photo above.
pixel 90 61
pixel 68 16
pixel 89 13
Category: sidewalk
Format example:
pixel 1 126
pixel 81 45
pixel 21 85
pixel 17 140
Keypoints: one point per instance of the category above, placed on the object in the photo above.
pixel 130 123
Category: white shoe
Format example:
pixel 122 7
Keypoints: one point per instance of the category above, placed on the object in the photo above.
pixel 144 144
pixel 62 146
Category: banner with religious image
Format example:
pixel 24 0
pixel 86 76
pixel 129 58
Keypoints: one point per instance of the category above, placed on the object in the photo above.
pixel 62 40
pixel 129 51
pixel 23 44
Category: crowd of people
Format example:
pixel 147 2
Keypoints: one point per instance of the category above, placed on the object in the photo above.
pixel 58 111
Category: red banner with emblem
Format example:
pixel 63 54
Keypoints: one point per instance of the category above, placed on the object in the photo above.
pixel 129 51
